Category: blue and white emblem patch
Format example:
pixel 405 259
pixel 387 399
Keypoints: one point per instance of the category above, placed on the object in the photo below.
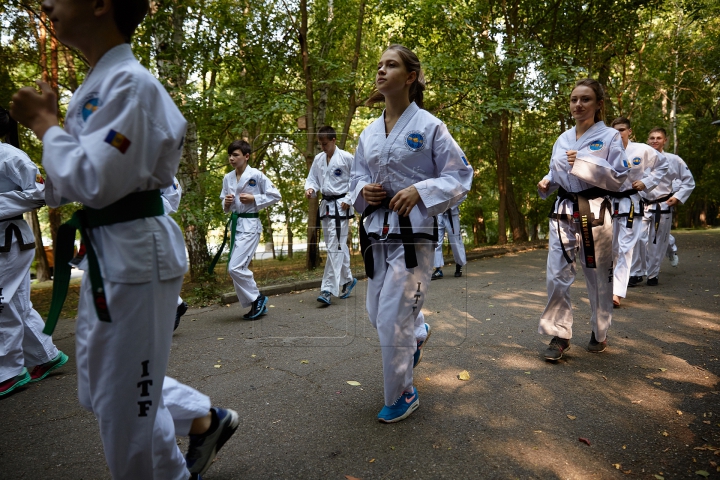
pixel 252 182
pixel 636 161
pixel 596 145
pixel 415 141
pixel 91 103
pixel 337 172
pixel 625 163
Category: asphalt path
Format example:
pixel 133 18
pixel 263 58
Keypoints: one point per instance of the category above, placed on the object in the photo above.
pixel 648 407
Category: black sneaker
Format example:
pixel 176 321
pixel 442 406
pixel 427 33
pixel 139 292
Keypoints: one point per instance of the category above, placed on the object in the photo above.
pixel 652 282
pixel 259 307
pixel 181 309
pixel 203 448
pixel 436 275
pixel 458 270
pixel 557 347
pixel 596 347
pixel 634 280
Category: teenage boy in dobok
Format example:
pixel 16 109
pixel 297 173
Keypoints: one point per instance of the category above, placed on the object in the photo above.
pixel 121 144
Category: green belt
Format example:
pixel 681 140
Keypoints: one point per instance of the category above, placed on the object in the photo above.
pixel 232 223
pixel 132 207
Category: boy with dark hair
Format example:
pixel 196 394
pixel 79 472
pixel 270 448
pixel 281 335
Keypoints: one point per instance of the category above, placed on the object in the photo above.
pixel 245 192
pixel 330 175
pixel 121 144
pixel 23 343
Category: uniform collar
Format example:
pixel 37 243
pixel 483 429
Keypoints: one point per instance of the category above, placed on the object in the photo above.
pixel 115 55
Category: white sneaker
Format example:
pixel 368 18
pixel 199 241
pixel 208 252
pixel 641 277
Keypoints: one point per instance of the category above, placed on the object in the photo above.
pixel 674 260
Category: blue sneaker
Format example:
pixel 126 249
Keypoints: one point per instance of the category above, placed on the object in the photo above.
pixel 203 448
pixel 401 409
pixel 324 297
pixel 347 288
pixel 259 307
pixel 419 352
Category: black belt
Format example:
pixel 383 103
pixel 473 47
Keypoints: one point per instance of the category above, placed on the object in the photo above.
pixel 14 229
pixel 616 206
pixel 657 213
pixel 406 236
pixel 19 217
pixel 337 217
pixel 583 215
pixel 448 214
pixel 132 207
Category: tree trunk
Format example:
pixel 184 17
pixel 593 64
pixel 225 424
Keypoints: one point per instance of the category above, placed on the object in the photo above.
pixel 289 236
pixel 479 231
pixel 54 216
pixel 313 253
pixel 42 268
pixel 352 100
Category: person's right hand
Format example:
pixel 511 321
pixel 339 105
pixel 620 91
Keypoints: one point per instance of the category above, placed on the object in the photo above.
pixel 229 199
pixel 309 192
pixel 373 193
pixel 571 155
pixel 543 185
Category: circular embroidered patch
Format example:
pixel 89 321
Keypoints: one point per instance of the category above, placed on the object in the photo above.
pixel 415 141
pixel 337 172
pixel 636 161
pixel 252 182
pixel 596 145
pixel 89 107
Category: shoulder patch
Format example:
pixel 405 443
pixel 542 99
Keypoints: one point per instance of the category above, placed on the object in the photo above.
pixel 337 172
pixel 252 182
pixel 118 140
pixel 415 141
pixel 465 160
pixel 625 163
pixel 89 105
pixel 596 145
pixel 636 161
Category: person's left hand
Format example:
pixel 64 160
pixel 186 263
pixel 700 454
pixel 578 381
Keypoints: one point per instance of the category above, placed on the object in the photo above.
pixel 246 198
pixel 672 201
pixel 35 110
pixel 344 206
pixel 405 200
pixel 638 185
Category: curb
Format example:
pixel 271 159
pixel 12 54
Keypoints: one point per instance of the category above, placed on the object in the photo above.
pixel 231 297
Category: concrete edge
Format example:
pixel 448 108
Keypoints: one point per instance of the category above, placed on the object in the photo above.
pixel 231 297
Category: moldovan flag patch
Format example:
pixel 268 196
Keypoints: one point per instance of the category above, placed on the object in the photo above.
pixel 118 140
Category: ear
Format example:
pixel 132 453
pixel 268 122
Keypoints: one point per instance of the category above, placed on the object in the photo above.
pixel 412 76
pixel 102 7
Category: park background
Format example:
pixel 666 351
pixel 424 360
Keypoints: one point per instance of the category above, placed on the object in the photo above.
pixel 498 74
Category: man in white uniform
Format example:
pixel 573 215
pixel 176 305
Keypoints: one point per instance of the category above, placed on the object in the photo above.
pixel 171 201
pixel 647 167
pixel 449 222
pixel 245 192
pixel 21 339
pixel 675 187
pixel 330 175
pixel 121 144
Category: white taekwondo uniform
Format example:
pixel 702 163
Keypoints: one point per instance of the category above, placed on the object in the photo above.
pixel 247 234
pixel 601 163
pixel 418 151
pixel 22 343
pixel 171 202
pixel 647 166
pixel 123 134
pixel 449 222
pixel 678 183
pixel 332 179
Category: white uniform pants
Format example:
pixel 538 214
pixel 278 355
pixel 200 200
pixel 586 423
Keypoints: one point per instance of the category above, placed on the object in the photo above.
pixel 121 371
pixel 394 303
pixel 672 247
pixel 657 244
pixel 337 267
pixel 639 258
pixel 245 287
pixel 185 404
pixel 22 342
pixel 557 319
pixel 624 241
pixel 454 239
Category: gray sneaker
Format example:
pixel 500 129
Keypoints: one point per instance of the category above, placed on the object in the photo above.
pixel 203 448
pixel 325 298
pixel 558 346
pixel 596 347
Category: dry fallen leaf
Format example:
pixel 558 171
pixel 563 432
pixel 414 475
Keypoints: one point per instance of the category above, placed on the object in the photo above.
pixel 636 401
pixel 572 417
pixel 350 477
pixel 584 440
pixel 665 434
pixel 371 460
pixel 659 477
pixel 304 361
pixel 707 422
pixel 657 383
pixel 662 369
pixel 617 466
pixel 679 412
pixel 218 366
pixel 272 306
pixel 537 431
pixel 527 373
pixel 253 356
pixel 464 375
pixel 221 338
pixel 703 473
pixel 353 383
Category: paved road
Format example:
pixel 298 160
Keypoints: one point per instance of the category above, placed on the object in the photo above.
pixel 646 405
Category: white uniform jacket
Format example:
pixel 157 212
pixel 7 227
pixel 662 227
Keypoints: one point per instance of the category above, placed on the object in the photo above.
pixel 251 181
pixel 600 162
pixel 331 179
pixel 646 165
pixel 678 180
pixel 171 197
pixel 22 189
pixel 419 151
pixel 123 134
